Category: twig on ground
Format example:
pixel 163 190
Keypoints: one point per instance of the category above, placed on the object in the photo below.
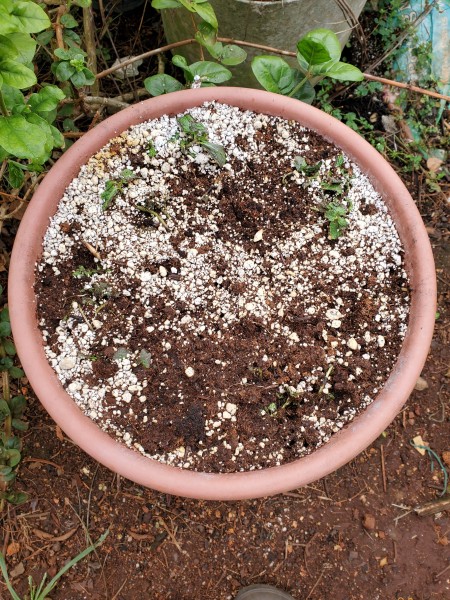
pixel 103 101
pixel 319 579
pixel 58 27
pixel 383 469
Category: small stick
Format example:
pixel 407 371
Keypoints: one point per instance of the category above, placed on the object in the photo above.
pixel 436 577
pixel 407 86
pixel 383 469
pixel 91 249
pixel 315 585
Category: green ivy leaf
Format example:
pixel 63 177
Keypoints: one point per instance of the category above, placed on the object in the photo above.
pixel 71 38
pixel 317 47
pixel 344 72
pixel 19 425
pixel 47 99
pixel 206 35
pixel 180 61
pixel 161 4
pixel 58 138
pixel 27 17
pixel 16 75
pixel 78 79
pixel 8 345
pixel 162 84
pixel 13 456
pixel 274 74
pixel 5 329
pixel 6 363
pixel 46 132
pixel 209 72
pixel 25 45
pixel 231 55
pixel 16 373
pixel 18 405
pixel 206 12
pixel 15 176
pixel 21 138
pixel 4 408
pixel 13 97
pixel 68 21
pixel 63 70
pixel 7 49
pixel 45 37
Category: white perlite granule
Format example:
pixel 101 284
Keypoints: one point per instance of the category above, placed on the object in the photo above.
pixel 209 308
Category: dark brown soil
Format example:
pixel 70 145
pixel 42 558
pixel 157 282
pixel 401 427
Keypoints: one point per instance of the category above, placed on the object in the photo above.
pixel 246 364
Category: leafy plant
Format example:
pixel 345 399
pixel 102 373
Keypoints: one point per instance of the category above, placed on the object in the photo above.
pixel 26 130
pixel 40 592
pixel 335 213
pixel 114 187
pixel 11 415
pixel 204 73
pixel 72 67
pixel 318 56
pixel 195 133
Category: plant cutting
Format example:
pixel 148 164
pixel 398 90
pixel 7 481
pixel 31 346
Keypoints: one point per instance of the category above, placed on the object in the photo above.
pixel 209 300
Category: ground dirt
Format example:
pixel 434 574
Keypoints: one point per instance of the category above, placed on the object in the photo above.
pixel 353 535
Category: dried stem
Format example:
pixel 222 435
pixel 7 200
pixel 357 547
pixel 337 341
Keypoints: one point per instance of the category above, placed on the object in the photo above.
pixel 89 40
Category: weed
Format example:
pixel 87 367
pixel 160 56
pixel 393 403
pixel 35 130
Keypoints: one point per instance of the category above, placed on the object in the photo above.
pixel 114 187
pixel 335 214
pixel 196 134
pixel 11 415
pixel 40 592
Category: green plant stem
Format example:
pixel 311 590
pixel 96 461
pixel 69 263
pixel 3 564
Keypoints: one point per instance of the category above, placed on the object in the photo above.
pixel 298 86
pixel 3 105
pixel 6 394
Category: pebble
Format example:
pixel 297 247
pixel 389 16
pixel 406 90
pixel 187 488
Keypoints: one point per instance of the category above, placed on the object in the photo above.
pixel 352 344
pixel 67 363
pixel 421 384
pixel 189 372
pixel 258 235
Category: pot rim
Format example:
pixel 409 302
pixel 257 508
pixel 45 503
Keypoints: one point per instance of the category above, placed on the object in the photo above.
pixel 343 446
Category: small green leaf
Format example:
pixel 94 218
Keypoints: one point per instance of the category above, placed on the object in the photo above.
pixel 58 138
pixel 206 35
pixel 145 358
pixel 209 72
pixel 6 363
pixel 4 408
pixel 71 38
pixel 16 75
pixel 68 21
pixel 121 353
pixel 19 424
pixel 127 174
pixel 216 151
pixel 25 45
pixel 13 98
pixel 4 313
pixel 344 72
pixel 231 55
pixel 9 347
pixel 161 4
pixel 5 329
pixel 156 85
pixel 206 12
pixel 111 190
pixel 180 61
pixel 63 70
pixel 13 456
pixel 45 37
pixel 78 79
pixel 16 497
pixel 332 187
pixel 18 404
pixel 46 99
pixel 15 174
pixel 16 373
pixel 318 47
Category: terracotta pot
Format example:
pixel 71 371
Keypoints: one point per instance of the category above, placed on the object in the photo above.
pixel 343 446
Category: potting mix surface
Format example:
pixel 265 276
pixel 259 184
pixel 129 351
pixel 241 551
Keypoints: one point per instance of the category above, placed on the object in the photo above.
pixel 224 292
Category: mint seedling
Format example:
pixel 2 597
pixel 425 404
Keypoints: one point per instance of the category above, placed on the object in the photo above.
pixel 335 213
pixel 195 133
pixel 114 186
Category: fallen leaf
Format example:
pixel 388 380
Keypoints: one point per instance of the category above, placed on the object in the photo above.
pixel 434 163
pixel 18 570
pixel 12 548
pixel 59 433
pixel 42 535
pixel 418 441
